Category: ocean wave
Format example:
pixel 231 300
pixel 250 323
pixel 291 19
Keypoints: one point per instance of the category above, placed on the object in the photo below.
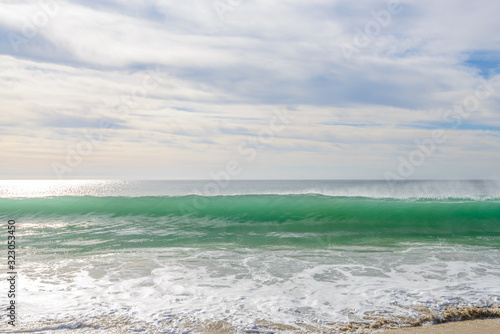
pixel 251 220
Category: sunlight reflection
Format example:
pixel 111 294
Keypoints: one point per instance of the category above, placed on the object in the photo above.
pixel 43 225
pixel 46 188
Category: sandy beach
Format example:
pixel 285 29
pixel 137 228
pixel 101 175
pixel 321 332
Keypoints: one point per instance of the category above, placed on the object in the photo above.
pixel 480 326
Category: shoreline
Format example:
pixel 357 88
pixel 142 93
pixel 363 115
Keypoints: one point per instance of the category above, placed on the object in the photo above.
pixel 476 326
pixel 119 326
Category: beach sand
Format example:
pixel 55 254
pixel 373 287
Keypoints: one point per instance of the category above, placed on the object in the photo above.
pixel 480 326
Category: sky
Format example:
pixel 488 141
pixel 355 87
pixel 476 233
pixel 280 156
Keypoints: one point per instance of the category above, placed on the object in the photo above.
pixel 249 89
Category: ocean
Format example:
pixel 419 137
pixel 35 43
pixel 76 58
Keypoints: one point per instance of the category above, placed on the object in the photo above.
pixel 249 256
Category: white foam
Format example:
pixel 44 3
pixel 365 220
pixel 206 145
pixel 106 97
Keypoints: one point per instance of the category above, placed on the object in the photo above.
pixel 242 286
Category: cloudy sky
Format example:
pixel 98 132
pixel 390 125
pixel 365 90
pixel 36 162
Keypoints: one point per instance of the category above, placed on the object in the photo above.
pixel 328 89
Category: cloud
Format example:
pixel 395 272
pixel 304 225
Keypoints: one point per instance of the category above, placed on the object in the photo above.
pixel 223 77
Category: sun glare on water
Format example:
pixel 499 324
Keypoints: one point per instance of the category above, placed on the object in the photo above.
pixel 46 188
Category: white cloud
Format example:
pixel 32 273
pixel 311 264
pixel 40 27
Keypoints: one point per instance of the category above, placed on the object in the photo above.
pixel 222 79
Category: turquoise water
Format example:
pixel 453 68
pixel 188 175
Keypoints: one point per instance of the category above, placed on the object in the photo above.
pixel 164 255
pixel 258 220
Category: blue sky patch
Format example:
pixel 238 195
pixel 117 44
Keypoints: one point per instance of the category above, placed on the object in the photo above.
pixel 486 62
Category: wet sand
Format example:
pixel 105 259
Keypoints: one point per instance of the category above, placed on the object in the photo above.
pixel 480 326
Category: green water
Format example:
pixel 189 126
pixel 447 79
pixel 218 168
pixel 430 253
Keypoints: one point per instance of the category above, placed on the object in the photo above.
pixel 106 223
